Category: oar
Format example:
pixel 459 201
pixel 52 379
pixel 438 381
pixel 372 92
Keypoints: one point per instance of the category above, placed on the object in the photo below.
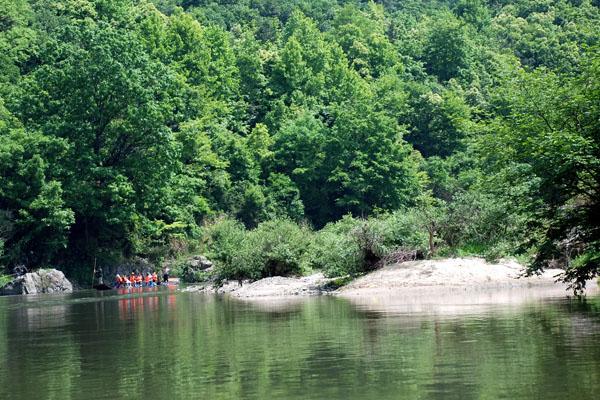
pixel 94 272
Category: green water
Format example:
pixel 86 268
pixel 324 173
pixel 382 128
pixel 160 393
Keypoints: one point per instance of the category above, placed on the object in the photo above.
pixel 171 345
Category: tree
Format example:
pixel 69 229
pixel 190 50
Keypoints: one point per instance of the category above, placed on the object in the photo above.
pixel 547 125
pixel 369 165
pixel 95 89
pixel 361 34
pixel 300 154
pixel 438 120
pixel 283 198
pixel 35 220
pixel 447 50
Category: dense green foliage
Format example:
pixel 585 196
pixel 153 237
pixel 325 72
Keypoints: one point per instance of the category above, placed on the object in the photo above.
pixel 276 247
pixel 469 124
pixel 349 246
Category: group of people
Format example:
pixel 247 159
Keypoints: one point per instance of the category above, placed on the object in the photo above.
pixel 136 279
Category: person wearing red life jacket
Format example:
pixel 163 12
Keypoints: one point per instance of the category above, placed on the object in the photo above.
pixel 132 279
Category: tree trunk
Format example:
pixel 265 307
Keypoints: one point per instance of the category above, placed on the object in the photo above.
pixel 431 246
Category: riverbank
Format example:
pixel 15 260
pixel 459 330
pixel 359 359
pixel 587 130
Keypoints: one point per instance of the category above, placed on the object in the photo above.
pixel 464 274
pixel 277 286
pixel 467 273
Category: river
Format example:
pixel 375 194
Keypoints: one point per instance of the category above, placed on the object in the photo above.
pixel 164 344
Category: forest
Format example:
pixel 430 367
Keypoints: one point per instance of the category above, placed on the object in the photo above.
pixel 285 136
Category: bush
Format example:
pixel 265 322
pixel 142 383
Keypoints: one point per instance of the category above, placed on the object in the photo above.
pixel 275 247
pixel 281 247
pixel 334 250
pixel 189 275
pixel 354 246
pixel 224 239
pixel 471 227
pixel 401 230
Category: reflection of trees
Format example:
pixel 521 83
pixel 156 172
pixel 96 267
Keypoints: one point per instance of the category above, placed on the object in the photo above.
pixel 41 356
pixel 214 347
pixel 4 383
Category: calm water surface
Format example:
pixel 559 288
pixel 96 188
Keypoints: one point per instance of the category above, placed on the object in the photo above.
pixel 169 345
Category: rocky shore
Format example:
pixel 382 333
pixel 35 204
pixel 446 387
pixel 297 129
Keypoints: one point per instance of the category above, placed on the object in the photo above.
pixel 277 286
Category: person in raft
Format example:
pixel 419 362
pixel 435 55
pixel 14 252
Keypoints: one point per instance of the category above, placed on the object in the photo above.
pixel 137 280
pixel 132 279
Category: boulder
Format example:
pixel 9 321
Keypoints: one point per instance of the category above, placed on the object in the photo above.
pixel 200 263
pixel 134 264
pixel 196 269
pixel 42 281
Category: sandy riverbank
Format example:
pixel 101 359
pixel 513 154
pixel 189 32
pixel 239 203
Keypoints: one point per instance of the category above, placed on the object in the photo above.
pixel 457 274
pixel 468 273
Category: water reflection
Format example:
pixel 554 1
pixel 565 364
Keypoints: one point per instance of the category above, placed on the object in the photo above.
pixel 157 344
pixel 31 317
pixel 450 301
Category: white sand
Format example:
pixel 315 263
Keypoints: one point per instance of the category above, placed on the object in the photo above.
pixel 454 272
pixel 415 279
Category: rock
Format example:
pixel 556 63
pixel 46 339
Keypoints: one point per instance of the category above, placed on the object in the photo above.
pixel 196 269
pixel 42 281
pixel 199 263
pixel 278 286
pixel 135 264
pixel 211 287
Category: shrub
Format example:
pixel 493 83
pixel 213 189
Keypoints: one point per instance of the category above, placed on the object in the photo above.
pixel 334 251
pixel 224 239
pixel 354 246
pixel 401 230
pixel 275 247
pixel 281 247
pixel 472 226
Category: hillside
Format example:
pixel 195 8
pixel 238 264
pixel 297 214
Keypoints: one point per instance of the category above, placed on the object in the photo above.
pixel 132 128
